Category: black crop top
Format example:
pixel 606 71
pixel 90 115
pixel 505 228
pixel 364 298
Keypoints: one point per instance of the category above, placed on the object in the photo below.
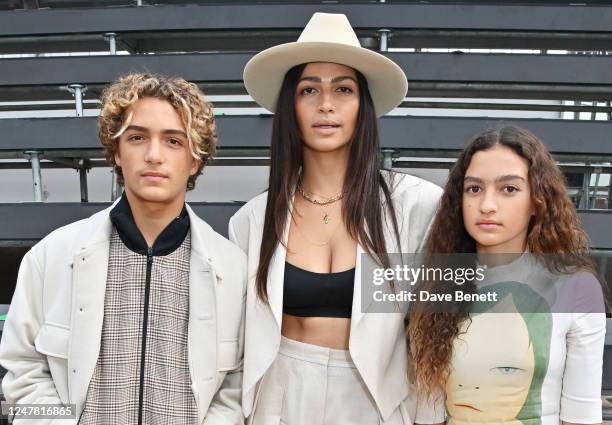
pixel 310 294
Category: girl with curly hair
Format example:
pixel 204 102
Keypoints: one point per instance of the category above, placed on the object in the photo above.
pixel 506 195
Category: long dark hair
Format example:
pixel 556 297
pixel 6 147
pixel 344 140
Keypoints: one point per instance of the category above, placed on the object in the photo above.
pixel 362 207
pixel 554 229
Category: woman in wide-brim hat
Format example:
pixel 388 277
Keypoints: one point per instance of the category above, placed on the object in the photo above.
pixel 312 355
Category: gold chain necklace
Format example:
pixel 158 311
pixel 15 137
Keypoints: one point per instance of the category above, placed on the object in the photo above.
pixel 326 201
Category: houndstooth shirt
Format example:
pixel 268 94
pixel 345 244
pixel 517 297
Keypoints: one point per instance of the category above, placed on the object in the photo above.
pixel 114 393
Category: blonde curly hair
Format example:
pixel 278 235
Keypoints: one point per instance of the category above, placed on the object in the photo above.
pixel 185 97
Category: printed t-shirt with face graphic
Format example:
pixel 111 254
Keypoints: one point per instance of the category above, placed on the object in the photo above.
pixel 534 356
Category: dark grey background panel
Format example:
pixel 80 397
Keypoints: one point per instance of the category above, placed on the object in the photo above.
pixel 103 69
pixel 606 383
pixel 504 68
pixel 224 67
pixel 57 4
pixel 245 16
pixel 567 137
pixel 33 221
pixel 598 225
pixel 255 40
pixel 416 135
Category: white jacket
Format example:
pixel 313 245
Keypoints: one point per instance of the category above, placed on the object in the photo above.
pixel 51 338
pixel 377 342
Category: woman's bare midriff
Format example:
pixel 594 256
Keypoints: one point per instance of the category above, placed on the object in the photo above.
pixel 330 332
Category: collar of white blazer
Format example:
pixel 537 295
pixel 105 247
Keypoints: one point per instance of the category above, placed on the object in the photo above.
pixel 328 37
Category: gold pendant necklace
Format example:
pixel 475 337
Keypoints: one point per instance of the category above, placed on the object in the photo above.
pixel 327 214
pixel 319 244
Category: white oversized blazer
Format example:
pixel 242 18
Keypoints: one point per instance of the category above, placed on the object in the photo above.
pixel 51 339
pixel 377 343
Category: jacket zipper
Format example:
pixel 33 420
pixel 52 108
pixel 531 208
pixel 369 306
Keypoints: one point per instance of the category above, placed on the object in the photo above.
pixel 145 323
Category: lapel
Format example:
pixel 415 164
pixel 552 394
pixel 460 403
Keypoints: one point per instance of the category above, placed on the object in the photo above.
pixel 90 268
pixel 374 344
pixel 263 321
pixel 276 272
pixel 202 329
pixel 357 313
pixel 360 307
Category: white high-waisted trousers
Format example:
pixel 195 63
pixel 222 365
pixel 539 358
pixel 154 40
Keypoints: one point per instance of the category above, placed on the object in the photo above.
pixel 313 385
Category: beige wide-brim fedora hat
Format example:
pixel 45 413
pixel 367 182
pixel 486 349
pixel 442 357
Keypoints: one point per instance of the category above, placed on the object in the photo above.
pixel 328 37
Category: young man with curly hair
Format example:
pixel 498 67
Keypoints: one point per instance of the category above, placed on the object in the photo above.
pixel 135 314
